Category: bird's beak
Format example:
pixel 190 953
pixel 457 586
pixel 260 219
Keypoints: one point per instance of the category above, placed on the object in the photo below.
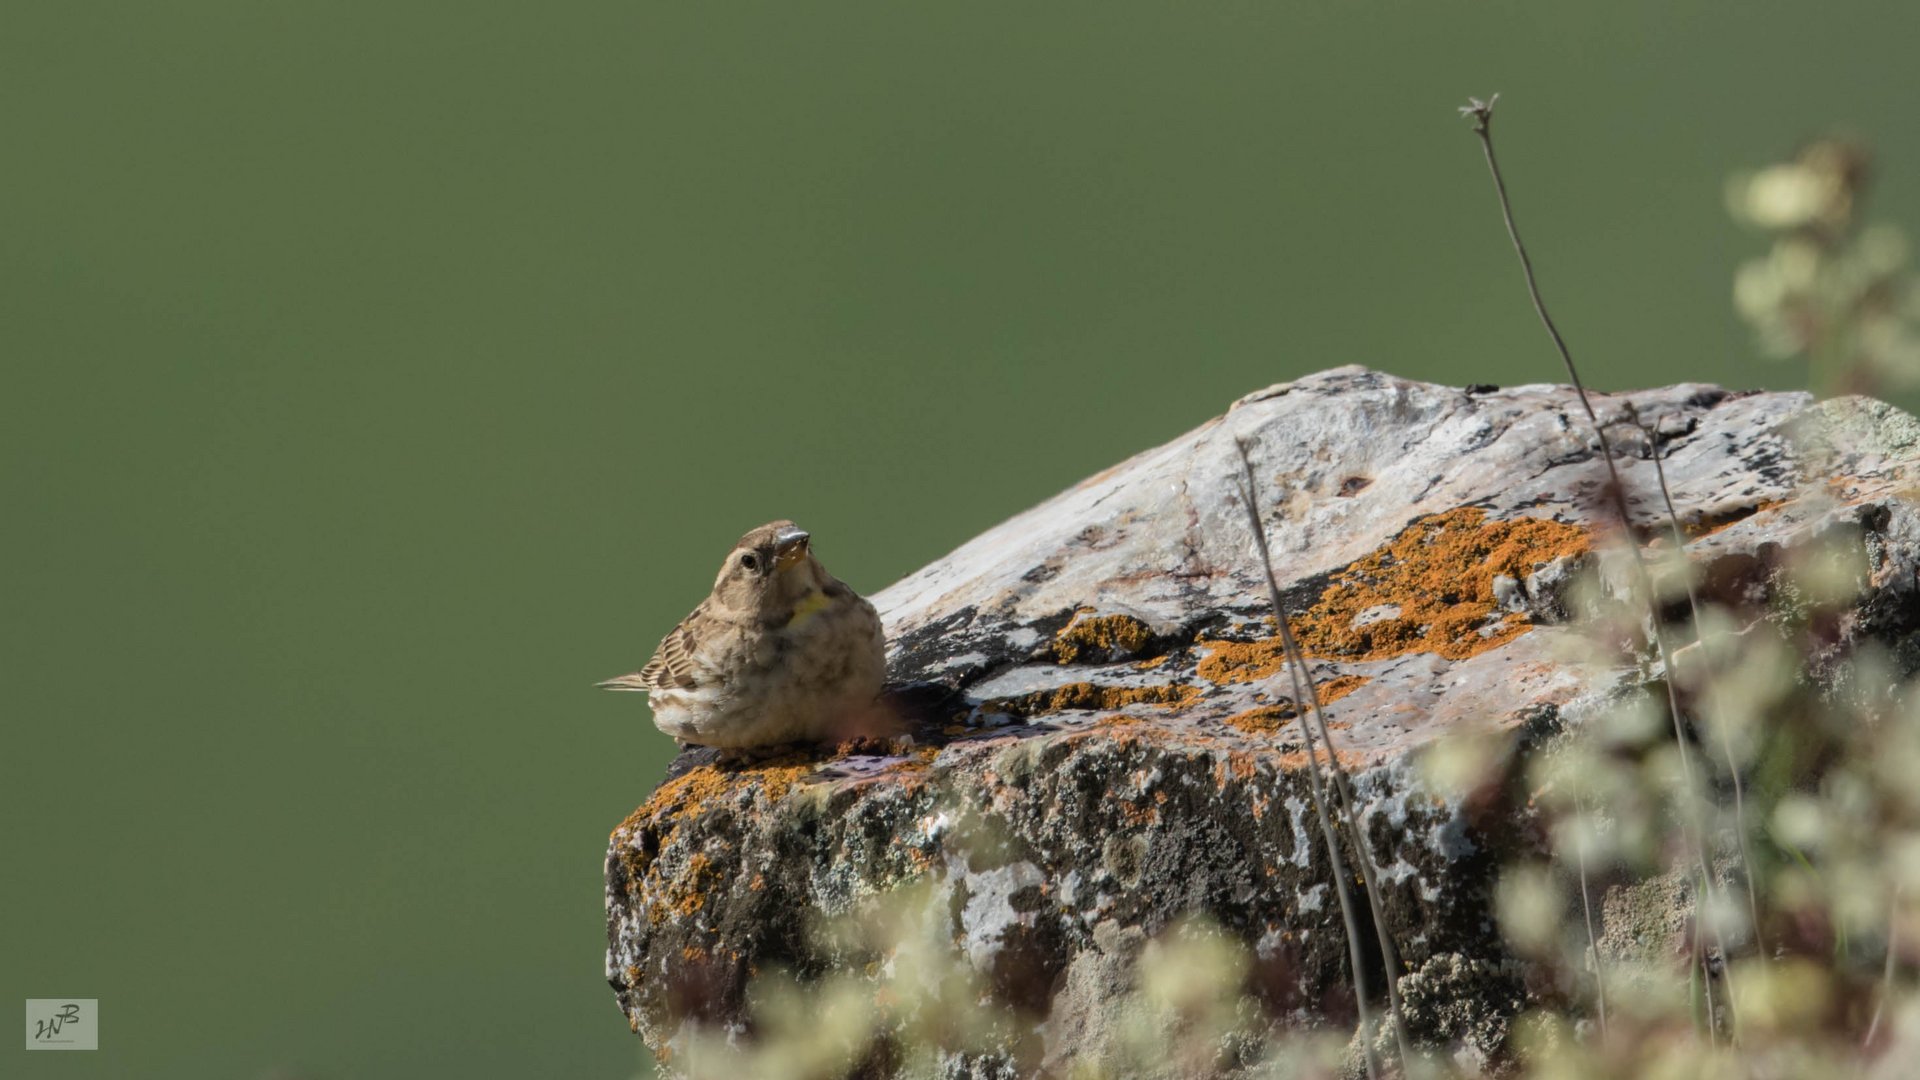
pixel 789 547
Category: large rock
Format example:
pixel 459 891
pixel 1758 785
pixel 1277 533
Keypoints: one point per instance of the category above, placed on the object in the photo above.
pixel 1103 741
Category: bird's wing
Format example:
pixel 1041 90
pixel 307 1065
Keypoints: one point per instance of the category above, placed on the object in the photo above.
pixel 672 666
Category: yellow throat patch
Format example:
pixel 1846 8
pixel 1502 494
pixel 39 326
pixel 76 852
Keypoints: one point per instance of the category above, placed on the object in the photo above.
pixel 812 604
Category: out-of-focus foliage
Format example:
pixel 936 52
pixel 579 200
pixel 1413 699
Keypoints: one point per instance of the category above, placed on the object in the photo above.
pixel 1833 290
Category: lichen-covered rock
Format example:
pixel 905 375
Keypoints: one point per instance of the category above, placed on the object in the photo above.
pixel 1101 740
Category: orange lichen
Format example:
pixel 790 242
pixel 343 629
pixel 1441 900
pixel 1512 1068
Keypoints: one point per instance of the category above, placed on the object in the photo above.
pixel 1101 638
pixel 1241 661
pixel 1350 760
pixel 689 794
pixel 1708 524
pixel 1430 589
pixel 1262 720
pixel 686 796
pixel 677 798
pixel 1332 690
pixel 909 774
pixel 1124 731
pixel 1269 719
pixel 685 894
pixel 777 780
pixel 920 761
pixel 1086 695
pixel 872 745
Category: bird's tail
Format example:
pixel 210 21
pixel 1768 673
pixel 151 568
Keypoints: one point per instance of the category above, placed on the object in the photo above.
pixel 635 681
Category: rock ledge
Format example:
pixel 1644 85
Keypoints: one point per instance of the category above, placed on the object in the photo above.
pixel 1102 740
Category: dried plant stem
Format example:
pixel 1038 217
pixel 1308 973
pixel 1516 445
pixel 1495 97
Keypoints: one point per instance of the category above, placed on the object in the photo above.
pixel 1317 789
pixel 1369 875
pixel 1307 697
pixel 1593 939
pixel 1339 879
pixel 1886 973
pixel 1700 969
pixel 1482 114
pixel 1706 653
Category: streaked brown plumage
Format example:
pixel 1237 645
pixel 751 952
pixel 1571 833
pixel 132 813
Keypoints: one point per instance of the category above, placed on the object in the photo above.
pixel 780 651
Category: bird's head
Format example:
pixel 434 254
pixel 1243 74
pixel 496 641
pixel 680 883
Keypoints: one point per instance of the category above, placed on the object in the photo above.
pixel 769 571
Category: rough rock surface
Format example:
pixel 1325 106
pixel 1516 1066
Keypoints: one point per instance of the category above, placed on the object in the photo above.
pixel 1092 686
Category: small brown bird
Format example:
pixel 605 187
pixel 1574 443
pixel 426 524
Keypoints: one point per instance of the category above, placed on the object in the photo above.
pixel 781 651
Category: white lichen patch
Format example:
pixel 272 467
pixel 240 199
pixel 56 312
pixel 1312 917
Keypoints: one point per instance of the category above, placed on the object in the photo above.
pixel 989 912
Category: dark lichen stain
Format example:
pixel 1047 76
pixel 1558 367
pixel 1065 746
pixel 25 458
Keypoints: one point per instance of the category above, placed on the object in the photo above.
pixel 912 654
pixel 1429 589
pixel 1124 856
pixel 1042 574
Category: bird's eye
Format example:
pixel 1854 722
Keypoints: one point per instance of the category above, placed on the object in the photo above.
pixel 749 561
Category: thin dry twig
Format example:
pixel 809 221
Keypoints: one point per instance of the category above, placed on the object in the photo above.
pixel 1482 114
pixel 1593 939
pixel 1317 789
pixel 1706 654
pixel 1340 877
pixel 1309 697
pixel 1886 973
pixel 1369 874
pixel 1702 970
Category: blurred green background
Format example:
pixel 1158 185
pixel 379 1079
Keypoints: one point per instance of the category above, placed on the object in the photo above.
pixel 378 376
